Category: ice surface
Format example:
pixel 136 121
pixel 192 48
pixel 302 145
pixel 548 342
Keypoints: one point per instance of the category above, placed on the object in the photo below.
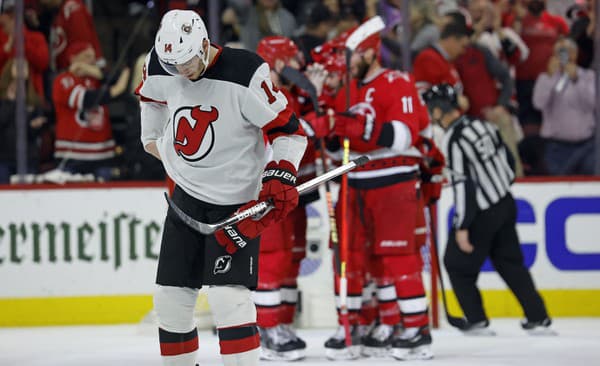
pixel 578 344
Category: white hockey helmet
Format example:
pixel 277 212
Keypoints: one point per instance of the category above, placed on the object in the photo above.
pixel 180 38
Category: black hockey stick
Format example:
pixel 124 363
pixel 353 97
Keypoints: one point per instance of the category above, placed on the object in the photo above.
pixel 454 321
pixel 261 208
pixel 298 79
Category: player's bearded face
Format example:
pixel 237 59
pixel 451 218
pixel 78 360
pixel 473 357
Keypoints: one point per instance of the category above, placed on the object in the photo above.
pixel 191 69
pixel 360 63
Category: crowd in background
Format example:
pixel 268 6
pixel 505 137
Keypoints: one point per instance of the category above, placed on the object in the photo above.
pixel 524 65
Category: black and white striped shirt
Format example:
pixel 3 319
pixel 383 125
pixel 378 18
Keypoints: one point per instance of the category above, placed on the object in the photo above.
pixel 480 167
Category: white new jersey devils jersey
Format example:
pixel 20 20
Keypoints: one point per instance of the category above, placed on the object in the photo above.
pixel 211 143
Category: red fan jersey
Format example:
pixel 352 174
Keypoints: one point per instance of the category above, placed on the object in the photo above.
pixel 80 134
pixel 72 23
pixel 432 68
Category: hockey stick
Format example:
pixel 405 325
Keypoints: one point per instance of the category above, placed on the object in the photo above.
pixel 454 321
pixel 361 33
pixel 261 208
pixel 298 79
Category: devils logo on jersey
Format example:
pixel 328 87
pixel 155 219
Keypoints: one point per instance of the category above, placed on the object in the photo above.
pixel 194 133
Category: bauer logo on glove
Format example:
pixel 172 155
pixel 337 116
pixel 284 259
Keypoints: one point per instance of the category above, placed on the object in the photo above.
pixel 280 174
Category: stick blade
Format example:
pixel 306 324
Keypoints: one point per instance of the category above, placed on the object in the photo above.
pixel 200 227
pixel 368 28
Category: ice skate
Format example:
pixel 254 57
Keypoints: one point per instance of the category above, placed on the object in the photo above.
pixel 377 343
pixel 413 344
pixel 539 328
pixel 480 328
pixel 277 345
pixel 287 328
pixel 335 346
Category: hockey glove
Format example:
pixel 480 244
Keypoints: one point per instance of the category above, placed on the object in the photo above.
pixel 351 126
pixel 236 236
pixel 316 126
pixel 278 186
pixel 432 170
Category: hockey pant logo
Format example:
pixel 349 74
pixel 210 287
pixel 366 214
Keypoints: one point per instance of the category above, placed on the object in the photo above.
pixel 222 264
pixel 194 135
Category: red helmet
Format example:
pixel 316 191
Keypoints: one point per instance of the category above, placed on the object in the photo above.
pixel 274 48
pixel 332 54
pixel 331 58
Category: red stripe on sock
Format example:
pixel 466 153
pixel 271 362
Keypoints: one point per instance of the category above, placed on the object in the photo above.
pixel 240 345
pixel 178 348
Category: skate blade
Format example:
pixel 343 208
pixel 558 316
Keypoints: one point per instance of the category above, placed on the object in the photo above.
pixel 542 332
pixel 409 354
pixel 484 332
pixel 270 355
pixel 375 351
pixel 344 354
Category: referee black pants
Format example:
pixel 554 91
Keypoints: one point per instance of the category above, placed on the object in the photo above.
pixel 493 233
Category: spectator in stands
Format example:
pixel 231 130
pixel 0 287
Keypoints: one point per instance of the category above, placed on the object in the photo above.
pixel 582 30
pixel 539 30
pixel 489 87
pixel 72 23
pixel 423 26
pixel 434 65
pixel 503 42
pixel 84 139
pixel 351 14
pixel 565 94
pixel 34 115
pixel 36 48
pixel 319 24
pixel 265 18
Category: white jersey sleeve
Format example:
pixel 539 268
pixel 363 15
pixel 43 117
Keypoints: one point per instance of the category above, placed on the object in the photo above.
pixel 267 107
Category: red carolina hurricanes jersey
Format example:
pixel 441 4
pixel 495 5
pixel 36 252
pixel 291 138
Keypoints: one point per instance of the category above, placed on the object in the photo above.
pixel 80 134
pixel 390 96
pixel 72 23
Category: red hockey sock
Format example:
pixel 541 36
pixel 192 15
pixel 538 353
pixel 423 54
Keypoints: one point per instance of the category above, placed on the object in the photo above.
pixel 412 300
pixel 238 339
pixel 176 344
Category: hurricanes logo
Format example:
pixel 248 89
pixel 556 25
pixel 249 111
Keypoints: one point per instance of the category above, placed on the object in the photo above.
pixel 222 264
pixel 194 135
pixel 367 110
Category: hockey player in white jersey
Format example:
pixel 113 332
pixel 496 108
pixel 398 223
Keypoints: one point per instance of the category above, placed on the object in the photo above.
pixel 204 111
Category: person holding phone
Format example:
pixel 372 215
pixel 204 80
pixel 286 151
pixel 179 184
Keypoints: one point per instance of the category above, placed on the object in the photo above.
pixel 565 94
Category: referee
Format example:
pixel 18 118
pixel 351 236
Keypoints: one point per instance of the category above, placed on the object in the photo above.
pixel 481 171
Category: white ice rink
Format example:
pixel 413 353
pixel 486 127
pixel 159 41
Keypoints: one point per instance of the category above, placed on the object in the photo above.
pixel 578 344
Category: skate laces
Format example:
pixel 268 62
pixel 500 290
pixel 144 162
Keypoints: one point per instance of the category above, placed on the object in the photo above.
pixel 282 336
pixel 287 328
pixel 382 332
pixel 339 333
pixel 409 333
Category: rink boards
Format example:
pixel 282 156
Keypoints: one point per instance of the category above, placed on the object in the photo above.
pixel 86 254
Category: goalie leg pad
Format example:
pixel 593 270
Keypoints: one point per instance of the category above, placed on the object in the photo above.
pixel 178 337
pixel 235 317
